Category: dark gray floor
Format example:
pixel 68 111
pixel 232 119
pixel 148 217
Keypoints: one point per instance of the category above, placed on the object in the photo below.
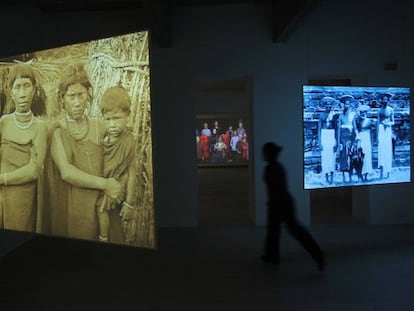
pixel 215 267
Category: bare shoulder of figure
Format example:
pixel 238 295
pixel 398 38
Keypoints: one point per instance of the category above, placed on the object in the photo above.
pixel 6 117
pixel 55 128
pixel 39 122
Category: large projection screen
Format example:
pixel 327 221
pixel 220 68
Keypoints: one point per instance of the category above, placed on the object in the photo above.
pixel 76 147
pixel 356 135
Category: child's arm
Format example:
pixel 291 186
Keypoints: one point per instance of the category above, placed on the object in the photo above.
pixel 130 199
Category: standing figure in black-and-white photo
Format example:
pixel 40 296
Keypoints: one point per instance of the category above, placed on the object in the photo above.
pixel 327 140
pixel 345 120
pixel 384 130
pixel 346 133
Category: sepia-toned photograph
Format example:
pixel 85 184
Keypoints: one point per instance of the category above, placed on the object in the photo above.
pixel 356 135
pixel 76 142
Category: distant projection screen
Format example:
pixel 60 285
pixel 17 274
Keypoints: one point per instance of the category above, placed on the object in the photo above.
pixel 76 147
pixel 356 136
pixel 222 140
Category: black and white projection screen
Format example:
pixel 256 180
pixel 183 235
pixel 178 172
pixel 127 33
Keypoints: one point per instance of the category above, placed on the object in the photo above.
pixel 356 136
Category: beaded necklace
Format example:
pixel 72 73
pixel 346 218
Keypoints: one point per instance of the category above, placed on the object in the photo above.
pixel 19 123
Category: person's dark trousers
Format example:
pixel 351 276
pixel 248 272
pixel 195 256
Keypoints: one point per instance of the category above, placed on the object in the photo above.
pixel 273 231
pixel 305 239
pixel 272 243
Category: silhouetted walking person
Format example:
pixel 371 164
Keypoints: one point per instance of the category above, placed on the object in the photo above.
pixel 281 210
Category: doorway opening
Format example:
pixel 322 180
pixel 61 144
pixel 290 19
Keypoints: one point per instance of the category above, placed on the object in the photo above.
pixel 224 140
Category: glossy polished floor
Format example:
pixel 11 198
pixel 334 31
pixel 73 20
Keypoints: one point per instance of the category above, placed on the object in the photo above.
pixel 215 267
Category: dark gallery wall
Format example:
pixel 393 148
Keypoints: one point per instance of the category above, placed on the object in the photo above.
pixel 350 39
pixel 338 39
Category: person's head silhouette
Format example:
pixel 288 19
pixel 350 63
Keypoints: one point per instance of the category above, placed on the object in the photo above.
pixel 271 151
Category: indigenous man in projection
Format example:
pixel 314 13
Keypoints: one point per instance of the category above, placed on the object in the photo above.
pixel 362 126
pixel 327 141
pixel 23 149
pixel 119 161
pixel 77 153
pixel 345 133
pixel 384 129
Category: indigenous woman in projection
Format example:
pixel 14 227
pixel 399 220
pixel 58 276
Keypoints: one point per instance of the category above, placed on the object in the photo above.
pixel 385 121
pixel 327 141
pixel 23 148
pixel 77 154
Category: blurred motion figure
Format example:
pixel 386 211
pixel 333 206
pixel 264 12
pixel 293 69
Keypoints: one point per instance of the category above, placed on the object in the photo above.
pixel 280 209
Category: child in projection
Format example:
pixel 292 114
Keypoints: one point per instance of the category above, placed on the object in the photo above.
pixel 119 162
pixel 356 156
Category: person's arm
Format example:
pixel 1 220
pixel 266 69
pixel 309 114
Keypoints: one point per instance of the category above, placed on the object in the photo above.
pixel 339 133
pixel 74 176
pixel 392 117
pixel 131 192
pixel 378 124
pixel 31 170
pixel 131 187
pixel 354 125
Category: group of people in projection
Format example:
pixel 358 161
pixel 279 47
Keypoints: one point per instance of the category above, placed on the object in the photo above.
pixel 218 146
pixel 345 138
pixel 75 176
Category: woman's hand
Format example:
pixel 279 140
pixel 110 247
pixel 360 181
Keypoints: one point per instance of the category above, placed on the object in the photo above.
pixel 114 189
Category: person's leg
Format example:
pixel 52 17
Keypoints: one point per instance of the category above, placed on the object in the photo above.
pixel 271 253
pixel 272 241
pixel 306 240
